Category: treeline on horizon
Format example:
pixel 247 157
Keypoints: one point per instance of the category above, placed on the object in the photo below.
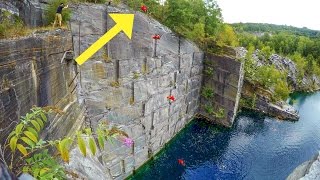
pixel 272 28
pixel 304 50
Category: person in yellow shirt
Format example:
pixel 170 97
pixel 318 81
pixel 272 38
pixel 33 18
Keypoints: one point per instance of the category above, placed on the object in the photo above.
pixel 58 17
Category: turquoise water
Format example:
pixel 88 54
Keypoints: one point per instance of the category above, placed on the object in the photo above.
pixel 255 147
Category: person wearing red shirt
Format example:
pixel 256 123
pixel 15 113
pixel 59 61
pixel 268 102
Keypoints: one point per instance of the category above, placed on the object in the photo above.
pixel 144 8
pixel 171 98
pixel 156 36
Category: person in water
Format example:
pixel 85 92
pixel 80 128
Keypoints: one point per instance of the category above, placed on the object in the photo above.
pixel 58 18
pixel 181 162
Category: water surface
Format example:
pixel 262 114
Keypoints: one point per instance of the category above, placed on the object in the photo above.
pixel 255 148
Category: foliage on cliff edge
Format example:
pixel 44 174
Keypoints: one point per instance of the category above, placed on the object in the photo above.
pixel 197 20
pixel 29 152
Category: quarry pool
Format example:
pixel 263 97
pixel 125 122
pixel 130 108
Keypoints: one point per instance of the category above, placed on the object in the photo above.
pixel 255 148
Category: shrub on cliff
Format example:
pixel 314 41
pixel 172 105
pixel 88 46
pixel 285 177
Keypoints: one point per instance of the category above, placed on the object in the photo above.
pixel 11 25
pixel 197 20
pixel 227 36
pixel 281 90
pixel 29 152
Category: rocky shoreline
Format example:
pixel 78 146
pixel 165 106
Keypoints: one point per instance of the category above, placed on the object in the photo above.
pixel 260 98
pixel 283 111
pixel 308 170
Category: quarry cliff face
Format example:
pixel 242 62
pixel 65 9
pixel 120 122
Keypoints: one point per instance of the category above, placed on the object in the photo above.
pixel 221 89
pixel 34 72
pixel 30 11
pixel 126 83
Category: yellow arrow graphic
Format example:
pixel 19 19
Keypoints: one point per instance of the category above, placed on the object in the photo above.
pixel 124 22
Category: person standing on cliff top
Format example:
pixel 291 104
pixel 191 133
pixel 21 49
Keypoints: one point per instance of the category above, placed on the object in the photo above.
pixel 58 17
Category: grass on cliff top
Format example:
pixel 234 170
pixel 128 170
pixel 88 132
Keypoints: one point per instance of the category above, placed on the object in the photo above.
pixel 13 32
pixel 11 25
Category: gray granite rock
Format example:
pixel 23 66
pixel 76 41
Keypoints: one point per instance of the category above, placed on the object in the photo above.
pixel 128 81
pixel 309 170
pixel 30 11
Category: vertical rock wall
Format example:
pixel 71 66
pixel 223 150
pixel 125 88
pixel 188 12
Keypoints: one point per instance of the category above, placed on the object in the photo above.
pixel 31 73
pixel 222 84
pixel 128 81
pixel 30 11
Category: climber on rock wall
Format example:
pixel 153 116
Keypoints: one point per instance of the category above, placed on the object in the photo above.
pixel 156 36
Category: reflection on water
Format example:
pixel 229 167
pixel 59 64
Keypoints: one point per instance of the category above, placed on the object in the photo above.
pixel 255 148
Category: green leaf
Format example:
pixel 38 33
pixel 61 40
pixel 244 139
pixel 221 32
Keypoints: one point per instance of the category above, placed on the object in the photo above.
pixel 11 134
pixel 25 169
pixel 31 136
pixel 13 143
pixel 92 146
pixel 18 129
pixel 43 171
pixel 64 149
pixel 43 116
pixel 39 121
pixel 28 141
pixel 88 131
pixel 58 147
pixel 36 172
pixel 101 140
pixel 65 155
pixel 22 149
pixel 34 132
pixel 28 116
pixel 36 125
pixel 82 145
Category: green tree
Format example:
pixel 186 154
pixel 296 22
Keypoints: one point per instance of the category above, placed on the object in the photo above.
pixel 268 76
pixel 227 36
pixel 281 90
pixel 267 51
pixel 300 64
pixel 310 66
pixel 198 32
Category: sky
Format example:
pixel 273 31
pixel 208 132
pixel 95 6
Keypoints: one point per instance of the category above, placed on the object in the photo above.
pixel 299 13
